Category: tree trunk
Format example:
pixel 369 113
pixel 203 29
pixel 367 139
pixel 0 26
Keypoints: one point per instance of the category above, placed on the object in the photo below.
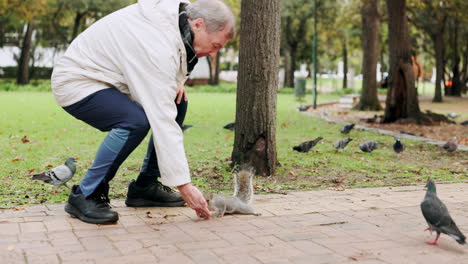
pixel 23 65
pixel 255 133
pixel 457 84
pixel 402 100
pixel 369 38
pixel 292 67
pixel 288 80
pixel 77 24
pixel 214 69
pixel 345 63
pixel 438 39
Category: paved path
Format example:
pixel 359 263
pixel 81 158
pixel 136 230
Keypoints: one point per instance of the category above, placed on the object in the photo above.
pixel 373 225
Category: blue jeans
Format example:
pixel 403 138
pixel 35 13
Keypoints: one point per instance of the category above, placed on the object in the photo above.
pixel 113 111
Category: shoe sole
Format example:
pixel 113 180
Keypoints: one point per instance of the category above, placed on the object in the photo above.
pixel 74 212
pixel 146 203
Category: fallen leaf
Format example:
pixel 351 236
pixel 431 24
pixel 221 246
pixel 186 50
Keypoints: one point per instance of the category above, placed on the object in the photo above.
pixel 30 172
pixel 17 159
pixel 169 215
pixel 49 166
pixel 25 139
pixel 149 215
pixel 283 125
pixel 18 208
pixel 292 173
pixel 227 137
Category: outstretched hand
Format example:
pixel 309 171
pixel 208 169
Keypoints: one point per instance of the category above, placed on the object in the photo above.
pixel 194 198
pixel 181 92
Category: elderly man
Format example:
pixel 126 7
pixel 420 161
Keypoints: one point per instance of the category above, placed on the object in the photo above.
pixel 125 75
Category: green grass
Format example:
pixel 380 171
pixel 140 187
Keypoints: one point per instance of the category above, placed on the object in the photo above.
pixel 54 135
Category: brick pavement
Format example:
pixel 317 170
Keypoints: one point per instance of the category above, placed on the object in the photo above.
pixel 373 225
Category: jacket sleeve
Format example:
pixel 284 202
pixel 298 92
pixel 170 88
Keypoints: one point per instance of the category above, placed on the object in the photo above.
pixel 152 82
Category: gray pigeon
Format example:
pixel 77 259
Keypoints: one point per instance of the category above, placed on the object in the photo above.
pixel 369 146
pixel 437 216
pixel 59 175
pixel 452 115
pixel 342 143
pixel 451 145
pixel 230 126
pixel 345 129
pixel 307 145
pixel 398 147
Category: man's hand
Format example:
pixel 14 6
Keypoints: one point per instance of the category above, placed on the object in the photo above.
pixel 194 198
pixel 181 92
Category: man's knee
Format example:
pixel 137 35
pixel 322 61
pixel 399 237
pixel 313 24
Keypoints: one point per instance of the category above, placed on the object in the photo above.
pixel 137 122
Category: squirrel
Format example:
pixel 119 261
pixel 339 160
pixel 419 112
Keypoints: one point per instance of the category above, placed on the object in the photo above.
pixel 239 202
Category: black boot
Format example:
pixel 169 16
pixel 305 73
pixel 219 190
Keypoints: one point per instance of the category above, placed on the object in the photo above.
pixel 93 209
pixel 155 194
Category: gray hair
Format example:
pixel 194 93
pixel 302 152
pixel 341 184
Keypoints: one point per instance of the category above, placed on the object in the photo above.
pixel 216 13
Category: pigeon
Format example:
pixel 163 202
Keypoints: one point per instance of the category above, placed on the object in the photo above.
pixel 369 146
pixel 325 112
pixel 464 123
pixel 451 145
pixel 437 216
pixel 185 127
pixel 59 175
pixel 307 145
pixel 407 133
pixel 347 128
pixel 303 108
pixel 342 143
pixel 370 119
pixel 230 126
pixel 452 115
pixel 398 147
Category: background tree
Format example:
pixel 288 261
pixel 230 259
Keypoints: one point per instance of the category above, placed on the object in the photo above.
pixel 456 48
pixel 71 17
pixel 370 50
pixel 255 133
pixel 214 63
pixel 295 18
pixel 402 100
pixel 28 12
pixel 431 16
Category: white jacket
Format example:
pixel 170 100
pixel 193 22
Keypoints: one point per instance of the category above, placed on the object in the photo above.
pixel 139 51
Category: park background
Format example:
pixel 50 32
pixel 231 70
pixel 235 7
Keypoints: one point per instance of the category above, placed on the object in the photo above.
pixel 353 60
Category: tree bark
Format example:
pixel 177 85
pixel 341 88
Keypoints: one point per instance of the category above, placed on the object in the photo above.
pixel 402 100
pixel 369 39
pixel 77 24
pixel 345 63
pixel 438 39
pixel 255 133
pixel 214 69
pixel 288 81
pixel 457 84
pixel 23 65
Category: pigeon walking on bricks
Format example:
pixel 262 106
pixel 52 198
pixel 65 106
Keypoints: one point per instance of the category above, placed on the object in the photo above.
pixel 451 145
pixel 347 128
pixel 342 143
pixel 437 216
pixel 398 146
pixel 369 146
pixel 307 145
pixel 230 126
pixel 59 175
